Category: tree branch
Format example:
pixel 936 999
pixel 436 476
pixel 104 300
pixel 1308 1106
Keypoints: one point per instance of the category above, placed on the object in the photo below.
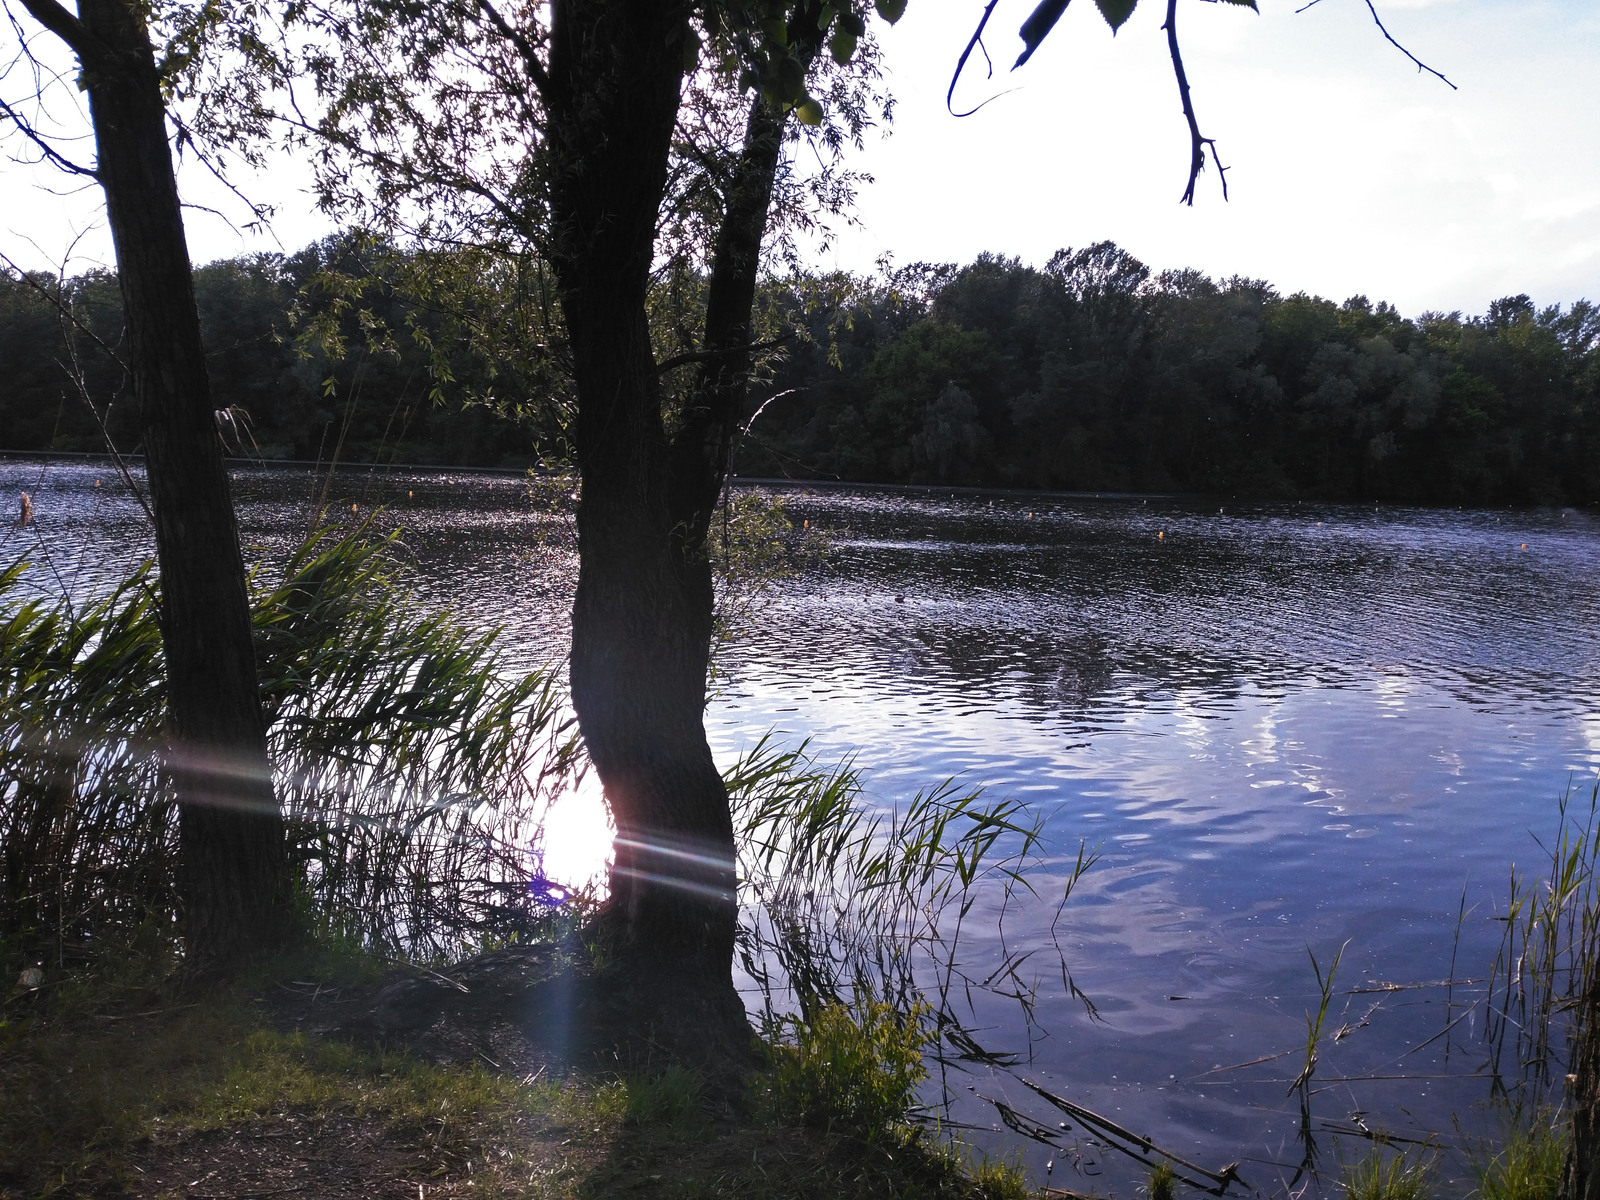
pixel 1197 141
pixel 45 148
pixel 74 372
pixel 961 63
pixel 65 312
pixel 65 26
pixel 1388 37
pixel 703 356
pixel 525 47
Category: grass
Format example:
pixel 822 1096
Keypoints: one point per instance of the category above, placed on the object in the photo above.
pixel 1163 1183
pixel 1385 1175
pixel 855 1072
pixel 110 1086
pixel 1528 1163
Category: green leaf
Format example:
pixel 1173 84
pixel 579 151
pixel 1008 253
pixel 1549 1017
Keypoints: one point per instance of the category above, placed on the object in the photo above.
pixel 890 10
pixel 1116 12
pixel 808 112
pixel 791 80
pixel 842 45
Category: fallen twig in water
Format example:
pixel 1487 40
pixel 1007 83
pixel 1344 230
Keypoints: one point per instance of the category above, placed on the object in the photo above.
pixel 1117 1134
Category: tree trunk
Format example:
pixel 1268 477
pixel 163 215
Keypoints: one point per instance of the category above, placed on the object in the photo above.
pixel 233 868
pixel 642 618
pixel 641 624
pixel 1580 1177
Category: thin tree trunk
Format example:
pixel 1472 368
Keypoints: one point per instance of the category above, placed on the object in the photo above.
pixel 234 875
pixel 1580 1177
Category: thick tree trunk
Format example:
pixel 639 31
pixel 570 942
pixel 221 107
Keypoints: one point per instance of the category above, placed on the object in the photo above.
pixel 641 622
pixel 703 442
pixel 642 619
pixel 234 875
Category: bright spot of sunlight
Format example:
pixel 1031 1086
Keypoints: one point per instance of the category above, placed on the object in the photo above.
pixel 578 835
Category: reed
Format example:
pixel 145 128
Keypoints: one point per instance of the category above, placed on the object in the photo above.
pixel 847 905
pixel 1384 1175
pixel 1549 947
pixel 411 763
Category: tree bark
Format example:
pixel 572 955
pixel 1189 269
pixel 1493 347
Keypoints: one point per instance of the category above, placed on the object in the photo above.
pixel 639 639
pixel 642 618
pixel 1580 1176
pixel 232 862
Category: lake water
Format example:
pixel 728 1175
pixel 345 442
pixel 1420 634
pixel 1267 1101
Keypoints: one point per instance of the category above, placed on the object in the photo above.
pixel 1286 728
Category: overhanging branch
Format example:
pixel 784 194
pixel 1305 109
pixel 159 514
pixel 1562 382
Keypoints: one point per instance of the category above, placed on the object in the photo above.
pixel 43 145
pixel 1197 141
pixel 1388 37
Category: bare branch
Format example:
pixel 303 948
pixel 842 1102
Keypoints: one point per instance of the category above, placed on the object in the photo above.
pixel 74 369
pixel 701 356
pixel 63 310
pixel 43 144
pixel 961 63
pixel 1197 141
pixel 1388 37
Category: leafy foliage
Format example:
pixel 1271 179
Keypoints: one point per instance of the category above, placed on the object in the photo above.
pixel 1095 374
pixel 1092 373
pixel 859 1070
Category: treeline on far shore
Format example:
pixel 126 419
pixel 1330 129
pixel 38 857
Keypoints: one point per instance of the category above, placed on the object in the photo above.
pixel 1091 373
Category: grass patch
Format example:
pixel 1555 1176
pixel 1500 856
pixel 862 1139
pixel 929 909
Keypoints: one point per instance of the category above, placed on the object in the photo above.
pixel 110 1086
pixel 1384 1175
pixel 90 1101
pixel 1528 1163
pixel 1163 1184
pixel 858 1073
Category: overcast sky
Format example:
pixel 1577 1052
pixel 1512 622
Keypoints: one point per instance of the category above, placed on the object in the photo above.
pixel 1349 171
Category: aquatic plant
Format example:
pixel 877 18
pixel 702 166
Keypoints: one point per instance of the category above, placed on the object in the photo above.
pixel 1549 949
pixel 1163 1182
pixel 844 903
pixel 1382 1174
pixel 1525 1161
pixel 411 763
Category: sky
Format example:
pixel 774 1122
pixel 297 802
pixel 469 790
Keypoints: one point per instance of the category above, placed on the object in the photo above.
pixel 1349 171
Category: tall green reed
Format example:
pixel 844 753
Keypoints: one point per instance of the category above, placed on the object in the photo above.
pixel 411 763
pixel 1549 945
pixel 846 904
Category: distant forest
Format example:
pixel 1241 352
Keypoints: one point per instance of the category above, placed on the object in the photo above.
pixel 1091 373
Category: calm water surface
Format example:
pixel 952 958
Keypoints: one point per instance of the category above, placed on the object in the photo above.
pixel 1286 727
